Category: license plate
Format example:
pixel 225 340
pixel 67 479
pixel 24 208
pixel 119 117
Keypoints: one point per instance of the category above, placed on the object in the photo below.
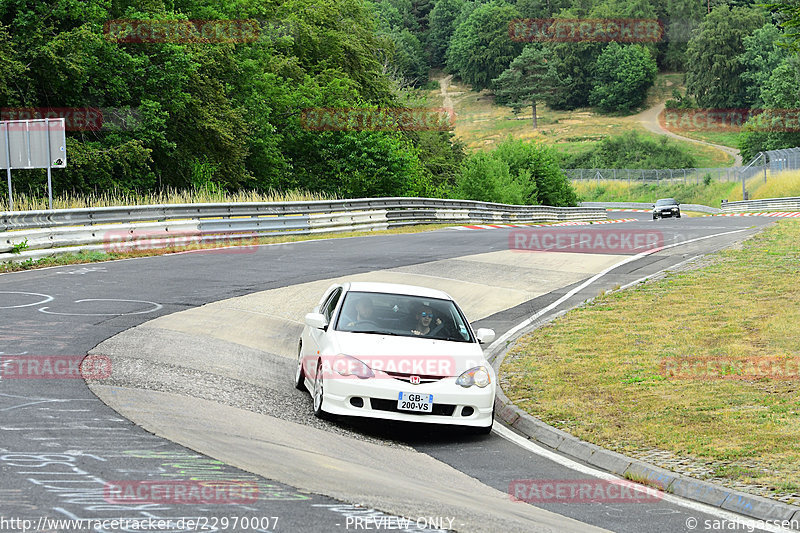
pixel 413 401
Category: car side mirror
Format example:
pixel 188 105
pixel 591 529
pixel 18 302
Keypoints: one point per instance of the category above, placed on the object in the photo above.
pixel 485 335
pixel 316 320
pixel 654 205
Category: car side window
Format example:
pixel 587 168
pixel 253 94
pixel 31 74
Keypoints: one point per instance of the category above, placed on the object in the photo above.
pixel 330 305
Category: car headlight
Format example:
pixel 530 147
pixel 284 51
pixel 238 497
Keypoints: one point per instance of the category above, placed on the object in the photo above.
pixel 474 376
pixel 346 365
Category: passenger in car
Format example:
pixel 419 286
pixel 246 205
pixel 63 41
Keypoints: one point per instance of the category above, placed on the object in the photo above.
pixel 424 320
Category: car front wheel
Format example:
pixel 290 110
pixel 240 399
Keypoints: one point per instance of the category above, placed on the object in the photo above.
pixel 318 393
pixel 299 375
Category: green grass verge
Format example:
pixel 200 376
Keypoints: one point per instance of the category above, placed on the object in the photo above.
pixel 725 138
pixel 597 371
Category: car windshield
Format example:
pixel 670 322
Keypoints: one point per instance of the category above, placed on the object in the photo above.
pixel 402 315
pixel 666 201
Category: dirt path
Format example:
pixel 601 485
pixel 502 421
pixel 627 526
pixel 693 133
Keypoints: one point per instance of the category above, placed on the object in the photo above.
pixel 649 119
pixel 444 84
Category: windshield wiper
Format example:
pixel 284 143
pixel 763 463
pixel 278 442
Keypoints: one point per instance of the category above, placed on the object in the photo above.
pixel 375 332
pixel 454 339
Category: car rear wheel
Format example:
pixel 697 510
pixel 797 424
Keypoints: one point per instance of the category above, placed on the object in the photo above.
pixel 318 393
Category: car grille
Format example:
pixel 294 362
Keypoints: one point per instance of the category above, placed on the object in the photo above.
pixel 441 409
pixel 407 377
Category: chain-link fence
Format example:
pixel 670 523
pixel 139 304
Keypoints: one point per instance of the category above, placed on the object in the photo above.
pixel 658 176
pixel 772 161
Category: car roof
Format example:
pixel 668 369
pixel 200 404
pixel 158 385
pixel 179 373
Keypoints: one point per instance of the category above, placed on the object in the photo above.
pixel 666 199
pixel 397 288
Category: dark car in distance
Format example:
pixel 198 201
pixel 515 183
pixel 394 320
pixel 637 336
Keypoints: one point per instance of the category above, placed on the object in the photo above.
pixel 666 207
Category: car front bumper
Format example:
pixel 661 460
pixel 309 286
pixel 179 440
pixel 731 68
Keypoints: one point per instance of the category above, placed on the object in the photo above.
pixel 667 213
pixel 451 403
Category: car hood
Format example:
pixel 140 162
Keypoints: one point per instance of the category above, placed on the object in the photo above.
pixel 410 354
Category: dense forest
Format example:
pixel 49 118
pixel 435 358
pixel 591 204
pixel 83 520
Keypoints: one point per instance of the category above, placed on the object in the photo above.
pixel 226 112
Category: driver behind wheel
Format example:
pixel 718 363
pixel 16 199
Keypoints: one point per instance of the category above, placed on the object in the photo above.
pixel 365 311
pixel 425 319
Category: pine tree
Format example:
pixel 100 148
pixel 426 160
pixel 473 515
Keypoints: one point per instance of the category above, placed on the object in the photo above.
pixel 531 78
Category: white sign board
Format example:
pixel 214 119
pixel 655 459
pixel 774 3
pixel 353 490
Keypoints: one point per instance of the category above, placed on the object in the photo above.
pixel 25 143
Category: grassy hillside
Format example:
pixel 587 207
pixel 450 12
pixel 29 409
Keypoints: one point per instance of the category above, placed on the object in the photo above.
pixel 481 124
pixel 620 191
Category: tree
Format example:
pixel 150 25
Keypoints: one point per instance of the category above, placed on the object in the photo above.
pixel 536 168
pixel 516 172
pixel 713 74
pixel 761 57
pixel 540 9
pixel 531 78
pixel 776 127
pixel 481 49
pixel 441 26
pixel 485 178
pixel 682 17
pixel 10 68
pixel 789 15
pixel 421 10
pixel 622 76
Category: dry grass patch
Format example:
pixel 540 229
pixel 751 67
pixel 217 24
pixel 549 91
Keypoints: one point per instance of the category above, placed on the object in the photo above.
pixel 597 371
pixel 30 202
pixel 778 185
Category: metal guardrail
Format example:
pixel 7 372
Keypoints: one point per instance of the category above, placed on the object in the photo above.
pixel 768 204
pixel 153 226
pixel 648 206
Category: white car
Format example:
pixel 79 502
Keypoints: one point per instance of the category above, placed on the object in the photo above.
pixel 396 352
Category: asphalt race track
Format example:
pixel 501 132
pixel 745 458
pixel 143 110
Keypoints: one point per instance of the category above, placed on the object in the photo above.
pixel 61 445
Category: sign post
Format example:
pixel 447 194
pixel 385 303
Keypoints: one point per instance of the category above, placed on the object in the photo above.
pixel 8 170
pixel 36 143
